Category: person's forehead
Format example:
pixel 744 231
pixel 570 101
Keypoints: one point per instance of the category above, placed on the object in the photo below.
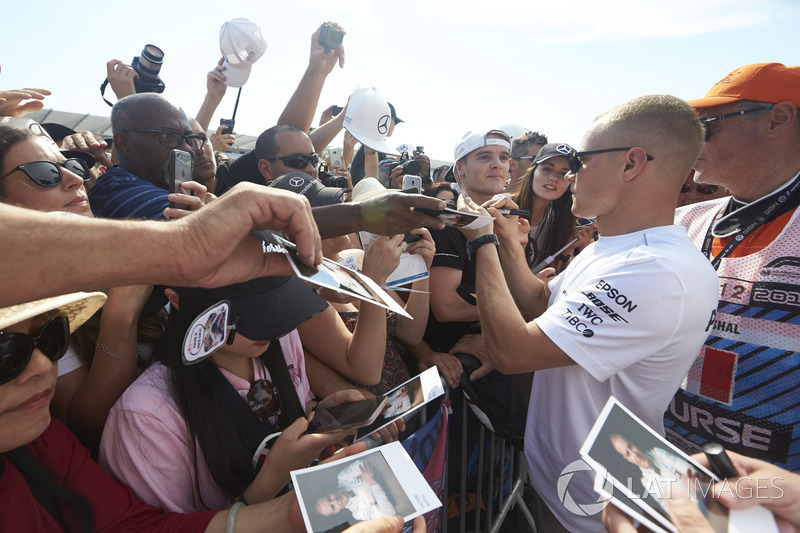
pixel 162 114
pixel 717 110
pixel 293 142
pixel 491 149
pixel 556 162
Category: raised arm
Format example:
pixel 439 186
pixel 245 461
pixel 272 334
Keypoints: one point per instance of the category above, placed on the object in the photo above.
pixel 215 91
pixel 300 110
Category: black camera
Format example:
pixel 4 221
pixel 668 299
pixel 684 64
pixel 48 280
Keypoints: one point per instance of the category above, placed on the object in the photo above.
pixel 410 167
pixel 329 180
pixel 147 66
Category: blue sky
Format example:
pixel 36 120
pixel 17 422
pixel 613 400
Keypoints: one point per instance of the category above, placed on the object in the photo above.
pixel 448 67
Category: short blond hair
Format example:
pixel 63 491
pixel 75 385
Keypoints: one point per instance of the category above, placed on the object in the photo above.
pixel 664 125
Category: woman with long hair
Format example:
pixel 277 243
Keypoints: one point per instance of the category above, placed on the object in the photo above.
pixel 185 434
pixel 544 191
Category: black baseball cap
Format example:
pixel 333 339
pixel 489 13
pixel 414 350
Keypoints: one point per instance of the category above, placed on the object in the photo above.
pixel 301 183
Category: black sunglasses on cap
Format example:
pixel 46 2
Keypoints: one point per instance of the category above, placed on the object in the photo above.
pixel 48 173
pixel 298 161
pixel 16 348
pixel 576 163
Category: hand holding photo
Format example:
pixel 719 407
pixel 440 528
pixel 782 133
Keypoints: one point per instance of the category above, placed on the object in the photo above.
pixel 336 277
pixel 404 399
pixel 380 482
pixel 649 471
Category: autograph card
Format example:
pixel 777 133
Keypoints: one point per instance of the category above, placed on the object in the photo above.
pixel 382 481
pixel 404 399
pixel 648 471
pixel 337 277
pixel 459 219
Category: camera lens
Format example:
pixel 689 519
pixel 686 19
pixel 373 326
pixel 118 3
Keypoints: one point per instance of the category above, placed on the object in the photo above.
pixel 412 167
pixel 150 61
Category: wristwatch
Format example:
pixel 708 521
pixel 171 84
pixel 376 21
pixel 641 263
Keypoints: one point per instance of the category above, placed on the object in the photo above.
pixel 472 246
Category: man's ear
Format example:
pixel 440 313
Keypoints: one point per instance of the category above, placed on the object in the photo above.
pixel 782 117
pixel 121 144
pixel 512 165
pixel 635 160
pixel 173 298
pixel 265 168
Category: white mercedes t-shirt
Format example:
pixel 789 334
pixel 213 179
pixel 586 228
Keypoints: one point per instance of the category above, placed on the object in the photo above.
pixel 632 312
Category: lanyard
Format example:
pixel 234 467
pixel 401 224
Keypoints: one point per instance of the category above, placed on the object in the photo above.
pixel 770 211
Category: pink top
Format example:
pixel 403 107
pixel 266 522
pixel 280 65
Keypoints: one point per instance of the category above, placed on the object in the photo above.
pixel 146 443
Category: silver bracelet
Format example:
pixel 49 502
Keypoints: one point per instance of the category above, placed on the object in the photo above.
pixel 230 525
pixel 115 356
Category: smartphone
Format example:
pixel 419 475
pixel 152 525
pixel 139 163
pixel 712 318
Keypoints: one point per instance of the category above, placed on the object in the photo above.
pixel 347 416
pixel 411 238
pixel 228 123
pixel 336 110
pixel 179 170
pixel 329 37
pixel 412 182
pixel 335 155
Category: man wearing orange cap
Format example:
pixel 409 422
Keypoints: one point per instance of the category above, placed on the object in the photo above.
pixel 744 388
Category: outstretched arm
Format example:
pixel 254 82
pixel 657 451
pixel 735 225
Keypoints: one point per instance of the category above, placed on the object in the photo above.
pixel 210 248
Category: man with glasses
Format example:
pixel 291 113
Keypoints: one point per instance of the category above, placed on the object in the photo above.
pixel 744 387
pixel 623 318
pixel 146 128
pixel 523 149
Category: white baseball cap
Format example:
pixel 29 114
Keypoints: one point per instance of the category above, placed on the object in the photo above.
pixel 368 119
pixel 242 44
pixel 472 140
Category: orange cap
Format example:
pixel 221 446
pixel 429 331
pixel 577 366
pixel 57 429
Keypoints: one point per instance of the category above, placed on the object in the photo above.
pixel 762 82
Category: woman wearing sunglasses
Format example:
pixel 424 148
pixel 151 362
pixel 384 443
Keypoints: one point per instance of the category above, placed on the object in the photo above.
pixel 48 480
pixel 184 436
pixel 544 191
pixel 102 358
pixel 35 174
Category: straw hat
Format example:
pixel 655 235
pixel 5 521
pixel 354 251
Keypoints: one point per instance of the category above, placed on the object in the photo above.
pixel 78 307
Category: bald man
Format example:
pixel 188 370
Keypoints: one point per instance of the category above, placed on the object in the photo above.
pixel 146 128
pixel 627 314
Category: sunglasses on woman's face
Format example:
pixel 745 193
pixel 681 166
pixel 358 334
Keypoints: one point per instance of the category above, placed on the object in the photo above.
pixel 263 399
pixel 16 348
pixel 48 173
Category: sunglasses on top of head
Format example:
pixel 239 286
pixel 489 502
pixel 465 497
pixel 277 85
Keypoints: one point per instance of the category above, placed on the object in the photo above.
pixel 297 161
pixel 16 349
pixel 48 173
pixel 576 163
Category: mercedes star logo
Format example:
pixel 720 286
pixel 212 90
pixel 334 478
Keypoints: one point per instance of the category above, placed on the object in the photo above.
pixel 383 124
pixel 563 149
pixel 296 182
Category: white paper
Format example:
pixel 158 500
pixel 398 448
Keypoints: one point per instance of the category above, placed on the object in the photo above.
pixel 404 399
pixel 382 481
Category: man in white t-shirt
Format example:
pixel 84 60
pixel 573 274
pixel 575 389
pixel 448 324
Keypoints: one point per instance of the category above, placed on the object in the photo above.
pixel 625 317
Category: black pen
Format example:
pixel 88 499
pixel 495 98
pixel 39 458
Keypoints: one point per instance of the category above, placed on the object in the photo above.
pixel 720 463
pixel 518 212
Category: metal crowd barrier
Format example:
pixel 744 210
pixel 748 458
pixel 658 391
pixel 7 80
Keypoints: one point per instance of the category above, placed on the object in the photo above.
pixel 489 492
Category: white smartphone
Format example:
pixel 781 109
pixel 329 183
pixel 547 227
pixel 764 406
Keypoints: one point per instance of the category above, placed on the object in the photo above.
pixel 412 182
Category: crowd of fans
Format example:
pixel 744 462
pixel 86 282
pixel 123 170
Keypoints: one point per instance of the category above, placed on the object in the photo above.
pixel 598 287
